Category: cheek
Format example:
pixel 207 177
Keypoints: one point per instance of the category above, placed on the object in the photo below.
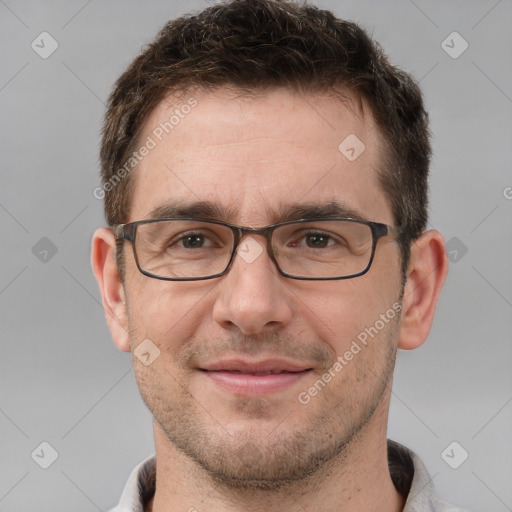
pixel 341 311
pixel 165 312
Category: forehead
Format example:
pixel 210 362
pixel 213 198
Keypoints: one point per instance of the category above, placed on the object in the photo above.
pixel 256 155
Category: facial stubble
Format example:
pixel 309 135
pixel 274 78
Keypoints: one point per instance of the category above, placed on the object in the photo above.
pixel 296 446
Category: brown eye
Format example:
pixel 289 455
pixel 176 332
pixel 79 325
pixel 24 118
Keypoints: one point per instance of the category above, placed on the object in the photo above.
pixel 192 241
pixel 316 240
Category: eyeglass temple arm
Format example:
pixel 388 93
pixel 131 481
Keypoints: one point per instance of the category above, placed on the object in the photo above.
pixel 124 231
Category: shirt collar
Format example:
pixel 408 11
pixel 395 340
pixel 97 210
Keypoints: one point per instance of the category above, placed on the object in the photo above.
pixel 408 473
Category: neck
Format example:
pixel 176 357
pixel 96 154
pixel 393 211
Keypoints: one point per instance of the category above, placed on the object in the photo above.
pixel 356 480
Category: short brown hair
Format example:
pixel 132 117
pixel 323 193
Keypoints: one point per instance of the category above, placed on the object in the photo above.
pixel 258 44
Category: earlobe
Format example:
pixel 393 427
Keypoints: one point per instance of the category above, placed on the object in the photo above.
pixel 426 274
pixel 111 287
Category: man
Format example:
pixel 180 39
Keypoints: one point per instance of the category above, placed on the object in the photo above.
pixel 265 169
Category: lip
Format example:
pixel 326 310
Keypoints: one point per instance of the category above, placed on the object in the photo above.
pixel 265 365
pixel 255 377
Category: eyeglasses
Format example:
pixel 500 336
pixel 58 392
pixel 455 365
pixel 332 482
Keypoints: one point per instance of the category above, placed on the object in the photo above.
pixel 192 249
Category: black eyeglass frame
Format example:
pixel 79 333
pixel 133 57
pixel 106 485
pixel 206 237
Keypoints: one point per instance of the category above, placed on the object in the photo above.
pixel 129 232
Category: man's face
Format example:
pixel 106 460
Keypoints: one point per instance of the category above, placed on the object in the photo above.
pixel 252 158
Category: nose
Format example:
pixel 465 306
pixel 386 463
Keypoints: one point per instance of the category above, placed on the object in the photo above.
pixel 252 296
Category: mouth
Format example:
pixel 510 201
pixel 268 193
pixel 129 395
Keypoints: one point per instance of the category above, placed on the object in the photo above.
pixel 255 378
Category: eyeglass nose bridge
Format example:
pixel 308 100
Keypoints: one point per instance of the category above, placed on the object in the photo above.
pixel 240 232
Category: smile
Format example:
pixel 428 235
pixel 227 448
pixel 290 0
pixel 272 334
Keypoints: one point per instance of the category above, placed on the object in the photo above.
pixel 254 379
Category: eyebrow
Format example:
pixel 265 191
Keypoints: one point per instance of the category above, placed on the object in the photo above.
pixel 287 212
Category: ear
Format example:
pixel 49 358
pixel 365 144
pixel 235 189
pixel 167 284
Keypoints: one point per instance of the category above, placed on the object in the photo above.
pixel 426 274
pixel 111 287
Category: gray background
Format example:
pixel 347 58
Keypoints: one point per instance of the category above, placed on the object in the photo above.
pixel 61 378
